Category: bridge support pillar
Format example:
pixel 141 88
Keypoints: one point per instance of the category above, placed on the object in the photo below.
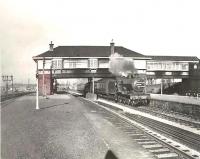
pixel 161 86
pixel 45 84
pixel 91 83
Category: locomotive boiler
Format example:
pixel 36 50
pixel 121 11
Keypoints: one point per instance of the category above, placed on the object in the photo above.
pixel 129 91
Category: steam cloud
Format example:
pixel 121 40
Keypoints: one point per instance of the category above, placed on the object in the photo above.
pixel 120 66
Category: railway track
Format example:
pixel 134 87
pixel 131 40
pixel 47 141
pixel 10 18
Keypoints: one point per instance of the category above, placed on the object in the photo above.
pixel 159 145
pixel 187 138
pixel 182 121
pixel 191 123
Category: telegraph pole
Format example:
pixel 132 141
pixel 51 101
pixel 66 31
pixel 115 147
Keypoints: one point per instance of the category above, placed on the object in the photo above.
pixel 7 85
pixel 12 82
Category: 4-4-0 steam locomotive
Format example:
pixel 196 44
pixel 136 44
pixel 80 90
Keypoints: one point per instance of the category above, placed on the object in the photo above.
pixel 129 91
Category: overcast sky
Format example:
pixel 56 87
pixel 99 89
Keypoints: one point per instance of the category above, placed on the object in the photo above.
pixel 151 27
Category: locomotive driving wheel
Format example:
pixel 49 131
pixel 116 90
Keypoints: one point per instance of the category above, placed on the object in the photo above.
pixel 137 102
pixel 123 100
pixel 129 102
pixel 146 102
pixel 116 98
pixel 120 100
pixel 132 103
pixel 126 101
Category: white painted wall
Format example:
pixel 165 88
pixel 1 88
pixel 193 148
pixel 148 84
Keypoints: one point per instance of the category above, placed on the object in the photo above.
pixel 46 66
pixel 140 64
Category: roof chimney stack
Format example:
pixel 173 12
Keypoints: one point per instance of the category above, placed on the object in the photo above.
pixel 112 47
pixel 51 46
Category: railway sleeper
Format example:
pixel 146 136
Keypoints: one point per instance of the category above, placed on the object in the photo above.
pixel 153 146
pixel 160 151
pixel 147 142
pixel 170 155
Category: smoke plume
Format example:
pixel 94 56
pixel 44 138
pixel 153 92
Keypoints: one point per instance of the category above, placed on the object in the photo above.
pixel 121 66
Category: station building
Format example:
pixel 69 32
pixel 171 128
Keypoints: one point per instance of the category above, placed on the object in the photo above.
pixel 93 62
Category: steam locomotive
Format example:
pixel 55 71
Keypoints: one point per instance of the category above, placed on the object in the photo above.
pixel 129 91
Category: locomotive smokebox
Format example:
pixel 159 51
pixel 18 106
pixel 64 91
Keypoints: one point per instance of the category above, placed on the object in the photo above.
pixel 130 75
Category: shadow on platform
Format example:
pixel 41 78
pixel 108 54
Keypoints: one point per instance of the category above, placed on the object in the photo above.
pixel 110 155
pixel 56 105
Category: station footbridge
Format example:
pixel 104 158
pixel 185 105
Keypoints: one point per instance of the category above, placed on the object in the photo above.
pixel 93 62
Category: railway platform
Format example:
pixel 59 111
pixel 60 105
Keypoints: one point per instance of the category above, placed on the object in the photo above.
pixel 63 127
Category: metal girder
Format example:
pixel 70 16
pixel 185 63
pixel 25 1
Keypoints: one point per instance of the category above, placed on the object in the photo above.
pixel 83 75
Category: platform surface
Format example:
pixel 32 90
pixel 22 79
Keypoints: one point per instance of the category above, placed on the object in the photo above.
pixel 176 98
pixel 63 127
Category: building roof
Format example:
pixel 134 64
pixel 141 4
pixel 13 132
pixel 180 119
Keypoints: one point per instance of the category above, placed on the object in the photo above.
pixel 174 58
pixel 89 51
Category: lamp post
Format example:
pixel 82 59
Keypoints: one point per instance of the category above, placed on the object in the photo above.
pixel 12 82
pixel 6 84
pixel 145 84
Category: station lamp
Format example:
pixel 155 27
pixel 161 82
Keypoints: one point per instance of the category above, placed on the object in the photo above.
pixel 195 66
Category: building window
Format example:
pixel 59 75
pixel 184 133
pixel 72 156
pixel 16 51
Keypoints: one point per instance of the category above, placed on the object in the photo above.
pixel 185 73
pixel 93 63
pixel 47 64
pixel 57 63
pixel 184 66
pixel 76 63
pixel 103 63
pixel 150 73
pixel 168 73
pixel 167 66
pixel 195 66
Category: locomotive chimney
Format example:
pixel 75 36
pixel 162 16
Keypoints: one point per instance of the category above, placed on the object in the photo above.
pixel 51 46
pixel 112 47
